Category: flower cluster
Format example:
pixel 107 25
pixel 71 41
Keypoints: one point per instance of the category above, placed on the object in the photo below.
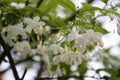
pixel 26 39
pixel 69 58
pixel 68 55
pixel 85 39
pixel 18 35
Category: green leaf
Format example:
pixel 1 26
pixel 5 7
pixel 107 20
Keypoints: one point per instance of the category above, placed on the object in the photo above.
pixel 82 68
pixel 66 68
pixel 68 4
pixel 18 1
pixel 48 8
pixel 53 67
pixel 52 5
pixel 111 71
pixel 91 9
pixel 90 48
pixel 101 30
pixel 105 1
pixel 107 50
pixel 56 22
pixel 88 8
pixel 10 1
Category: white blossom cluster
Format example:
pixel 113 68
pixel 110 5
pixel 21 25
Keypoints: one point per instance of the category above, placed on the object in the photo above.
pixel 86 39
pixel 60 54
pixel 69 58
pixel 56 48
pixel 11 33
pixel 81 41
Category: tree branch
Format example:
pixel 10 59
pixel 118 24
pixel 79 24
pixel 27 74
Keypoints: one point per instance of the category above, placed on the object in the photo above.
pixel 2 56
pixel 8 54
pixel 24 74
pixel 19 62
pixel 90 1
pixel 67 77
pixel 39 3
pixel 40 69
pixel 27 2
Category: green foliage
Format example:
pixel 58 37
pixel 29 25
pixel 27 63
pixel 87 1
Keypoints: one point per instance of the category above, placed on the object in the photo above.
pixel 88 8
pixel 48 8
pixel 65 69
pixel 105 1
pixel 100 29
pixel 50 5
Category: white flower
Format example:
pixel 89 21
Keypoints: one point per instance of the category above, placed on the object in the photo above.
pixel 93 36
pixel 81 43
pixel 34 24
pixel 8 40
pixel 56 48
pixel 88 38
pixel 57 59
pixel 47 29
pixel 100 55
pixel 13 31
pixel 23 47
pixel 45 57
pixel 31 22
pixel 16 30
pixel 72 58
pixel 72 36
pixel 40 49
pixel 18 5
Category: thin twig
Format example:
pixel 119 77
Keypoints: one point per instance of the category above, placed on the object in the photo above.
pixel 40 69
pixel 19 62
pixel 24 74
pixel 2 57
pixel 27 2
pixel 90 1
